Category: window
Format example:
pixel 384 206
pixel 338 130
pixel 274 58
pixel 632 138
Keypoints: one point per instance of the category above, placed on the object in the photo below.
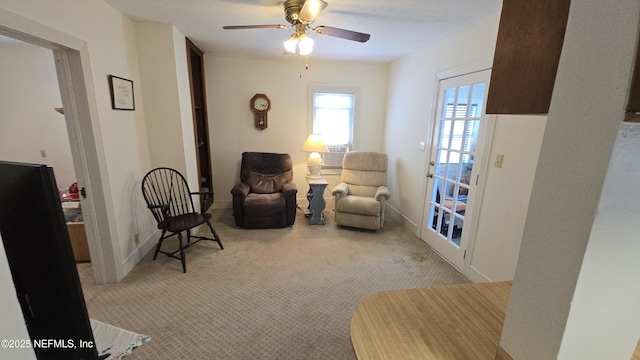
pixel 333 117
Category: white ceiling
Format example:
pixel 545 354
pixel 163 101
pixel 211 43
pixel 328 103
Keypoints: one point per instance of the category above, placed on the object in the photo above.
pixel 397 27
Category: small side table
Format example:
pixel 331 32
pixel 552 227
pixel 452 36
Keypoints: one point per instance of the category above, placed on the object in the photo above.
pixel 315 195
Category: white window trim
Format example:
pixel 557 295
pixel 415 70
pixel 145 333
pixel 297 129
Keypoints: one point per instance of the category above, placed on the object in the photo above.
pixel 315 88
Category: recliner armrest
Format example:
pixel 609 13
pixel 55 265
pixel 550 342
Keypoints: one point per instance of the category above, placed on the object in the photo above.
pixel 240 189
pixel 341 190
pixel 289 188
pixel 382 192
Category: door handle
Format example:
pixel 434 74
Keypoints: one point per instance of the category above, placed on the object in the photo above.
pixel 430 175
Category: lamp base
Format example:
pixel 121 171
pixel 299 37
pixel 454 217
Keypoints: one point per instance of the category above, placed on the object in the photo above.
pixel 314 162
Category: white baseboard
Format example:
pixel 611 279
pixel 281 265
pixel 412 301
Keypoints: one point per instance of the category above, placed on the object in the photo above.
pixel 130 261
pixel 222 204
pixel 397 215
pixel 476 276
pixel 302 201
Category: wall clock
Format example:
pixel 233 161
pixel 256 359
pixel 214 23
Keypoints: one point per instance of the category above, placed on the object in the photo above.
pixel 260 105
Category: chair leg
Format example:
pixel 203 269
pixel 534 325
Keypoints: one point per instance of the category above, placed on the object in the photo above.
pixel 184 263
pixel 215 235
pixel 155 254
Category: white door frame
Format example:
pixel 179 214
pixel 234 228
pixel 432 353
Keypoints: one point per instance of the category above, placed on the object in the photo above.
pixel 80 110
pixel 482 163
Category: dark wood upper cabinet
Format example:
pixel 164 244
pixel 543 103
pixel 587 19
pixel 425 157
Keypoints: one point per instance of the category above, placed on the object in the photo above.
pixel 195 62
pixel 528 47
pixel 633 104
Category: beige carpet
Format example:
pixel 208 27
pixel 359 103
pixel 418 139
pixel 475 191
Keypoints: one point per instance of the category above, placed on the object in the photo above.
pixel 270 294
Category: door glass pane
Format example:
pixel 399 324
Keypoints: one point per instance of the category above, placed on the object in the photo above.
pixel 457 135
pixel 436 203
pixel 477 98
pixel 443 155
pixel 462 102
pixel 445 133
pixel 449 99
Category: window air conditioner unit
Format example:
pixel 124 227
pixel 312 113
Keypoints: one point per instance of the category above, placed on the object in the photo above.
pixel 333 159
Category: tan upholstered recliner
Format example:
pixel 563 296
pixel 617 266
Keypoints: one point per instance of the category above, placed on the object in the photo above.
pixel 360 197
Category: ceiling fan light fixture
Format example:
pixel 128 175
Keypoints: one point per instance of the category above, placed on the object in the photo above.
pixel 299 42
pixel 291 44
pixel 300 14
pixel 305 45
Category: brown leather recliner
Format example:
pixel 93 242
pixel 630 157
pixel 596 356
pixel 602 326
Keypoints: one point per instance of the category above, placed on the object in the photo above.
pixel 265 197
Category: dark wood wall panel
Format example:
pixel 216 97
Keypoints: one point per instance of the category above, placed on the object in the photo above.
pixel 525 63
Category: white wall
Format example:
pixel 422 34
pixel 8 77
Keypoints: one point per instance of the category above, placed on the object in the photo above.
pixel 232 81
pixel 165 78
pixel 186 111
pixel 121 141
pixel 411 105
pixel 506 197
pixel 29 123
pixel 605 304
pixel 412 85
pixel 154 42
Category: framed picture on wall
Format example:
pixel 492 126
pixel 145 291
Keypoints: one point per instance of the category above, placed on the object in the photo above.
pixel 121 93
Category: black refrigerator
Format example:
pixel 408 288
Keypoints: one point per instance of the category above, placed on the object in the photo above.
pixel 36 241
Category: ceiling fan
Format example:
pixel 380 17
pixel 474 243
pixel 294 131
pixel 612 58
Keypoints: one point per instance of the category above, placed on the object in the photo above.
pixel 300 14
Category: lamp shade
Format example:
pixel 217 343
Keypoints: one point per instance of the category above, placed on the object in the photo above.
pixel 291 44
pixel 305 45
pixel 315 143
pixel 299 41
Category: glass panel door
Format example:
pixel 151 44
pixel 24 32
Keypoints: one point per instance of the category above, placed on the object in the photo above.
pixel 455 150
pixel 458 126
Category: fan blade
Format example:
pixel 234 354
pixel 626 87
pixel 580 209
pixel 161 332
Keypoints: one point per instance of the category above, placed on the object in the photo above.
pixel 342 33
pixel 242 27
pixel 311 9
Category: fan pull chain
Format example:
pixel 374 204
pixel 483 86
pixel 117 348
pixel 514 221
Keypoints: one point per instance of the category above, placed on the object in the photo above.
pixel 300 66
pixel 306 65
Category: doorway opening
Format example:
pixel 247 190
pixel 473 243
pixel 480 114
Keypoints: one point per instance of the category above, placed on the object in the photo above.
pixel 71 56
pixel 38 133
